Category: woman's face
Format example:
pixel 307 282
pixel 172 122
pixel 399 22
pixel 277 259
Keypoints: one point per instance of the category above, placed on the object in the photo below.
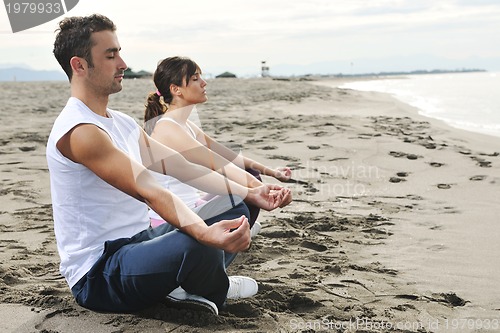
pixel 194 92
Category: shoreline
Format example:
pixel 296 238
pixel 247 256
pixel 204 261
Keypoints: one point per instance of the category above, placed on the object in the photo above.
pixel 477 139
pixel 426 111
pixel 382 197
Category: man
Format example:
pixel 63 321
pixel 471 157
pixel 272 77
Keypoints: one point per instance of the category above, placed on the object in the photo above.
pixel 101 189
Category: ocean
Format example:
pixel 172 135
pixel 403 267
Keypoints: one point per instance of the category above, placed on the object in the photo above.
pixel 468 101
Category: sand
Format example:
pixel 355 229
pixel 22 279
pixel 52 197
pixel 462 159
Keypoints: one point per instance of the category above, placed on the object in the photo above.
pixel 394 226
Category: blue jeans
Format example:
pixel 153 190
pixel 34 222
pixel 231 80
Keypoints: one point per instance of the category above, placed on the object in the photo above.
pixel 138 272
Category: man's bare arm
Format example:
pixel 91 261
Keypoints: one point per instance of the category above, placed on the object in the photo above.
pixel 90 146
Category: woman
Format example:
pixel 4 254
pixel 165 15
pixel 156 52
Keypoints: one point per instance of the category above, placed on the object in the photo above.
pixel 179 88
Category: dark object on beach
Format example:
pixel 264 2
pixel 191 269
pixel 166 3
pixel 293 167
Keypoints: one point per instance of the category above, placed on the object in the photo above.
pixel 226 75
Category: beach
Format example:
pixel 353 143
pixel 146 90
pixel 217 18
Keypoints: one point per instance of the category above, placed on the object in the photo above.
pixel 393 228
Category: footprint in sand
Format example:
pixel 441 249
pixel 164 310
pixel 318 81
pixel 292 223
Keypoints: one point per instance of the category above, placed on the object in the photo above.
pixel 280 234
pixel 27 148
pixel 481 162
pixel 400 177
pixel 437 247
pixel 478 177
pixel 402 154
pixel 282 157
pixel 465 152
pixel 444 186
pixel 314 246
pixel 254 141
pixel 484 164
pixel 244 310
pixel 436 164
pixel 397 154
pixel 447 298
pixel 429 145
pixel 412 156
pixel 320 133
pixel 494 154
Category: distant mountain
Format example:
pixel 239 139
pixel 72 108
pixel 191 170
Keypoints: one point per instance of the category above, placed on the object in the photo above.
pixel 12 65
pixel 26 74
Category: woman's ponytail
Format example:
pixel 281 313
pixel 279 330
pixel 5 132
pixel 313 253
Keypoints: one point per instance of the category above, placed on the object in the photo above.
pixel 155 108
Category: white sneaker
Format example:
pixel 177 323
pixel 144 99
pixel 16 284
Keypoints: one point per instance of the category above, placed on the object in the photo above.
pixel 179 298
pixel 241 287
pixel 255 229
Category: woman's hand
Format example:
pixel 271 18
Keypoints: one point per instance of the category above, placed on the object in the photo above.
pixel 269 196
pixel 286 198
pixel 283 174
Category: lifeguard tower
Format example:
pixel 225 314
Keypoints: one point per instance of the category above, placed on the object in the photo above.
pixel 265 69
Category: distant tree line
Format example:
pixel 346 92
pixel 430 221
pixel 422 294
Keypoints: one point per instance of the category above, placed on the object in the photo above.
pixel 415 72
pixel 130 74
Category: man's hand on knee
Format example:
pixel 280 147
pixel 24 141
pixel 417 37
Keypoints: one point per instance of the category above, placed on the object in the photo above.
pixel 229 235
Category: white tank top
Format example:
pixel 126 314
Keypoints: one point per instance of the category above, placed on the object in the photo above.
pixel 188 194
pixel 87 210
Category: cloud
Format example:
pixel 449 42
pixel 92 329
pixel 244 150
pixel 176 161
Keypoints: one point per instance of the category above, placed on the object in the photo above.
pixel 239 33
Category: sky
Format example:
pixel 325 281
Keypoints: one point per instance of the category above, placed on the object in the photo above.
pixel 293 37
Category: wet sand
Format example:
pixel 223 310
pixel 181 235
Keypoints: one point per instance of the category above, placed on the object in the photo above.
pixel 394 225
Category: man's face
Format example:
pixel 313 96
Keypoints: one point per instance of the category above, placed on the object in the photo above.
pixel 106 76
